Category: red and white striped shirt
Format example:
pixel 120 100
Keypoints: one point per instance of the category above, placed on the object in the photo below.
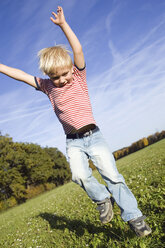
pixel 71 102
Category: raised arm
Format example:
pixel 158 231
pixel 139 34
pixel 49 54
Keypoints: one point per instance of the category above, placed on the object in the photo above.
pixel 59 19
pixel 17 74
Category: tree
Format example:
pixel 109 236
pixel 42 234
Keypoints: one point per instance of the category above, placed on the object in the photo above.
pixel 27 169
pixel 61 170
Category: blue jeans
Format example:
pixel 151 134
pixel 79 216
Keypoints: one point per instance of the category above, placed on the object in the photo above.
pixel 94 147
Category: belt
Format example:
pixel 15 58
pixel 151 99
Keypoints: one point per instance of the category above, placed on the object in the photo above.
pixel 84 134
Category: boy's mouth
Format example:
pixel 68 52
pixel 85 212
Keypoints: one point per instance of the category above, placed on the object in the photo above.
pixel 62 84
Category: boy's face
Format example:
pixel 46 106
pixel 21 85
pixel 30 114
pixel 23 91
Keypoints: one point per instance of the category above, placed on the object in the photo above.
pixel 62 76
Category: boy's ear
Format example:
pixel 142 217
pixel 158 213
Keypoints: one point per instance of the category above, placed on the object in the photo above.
pixel 72 69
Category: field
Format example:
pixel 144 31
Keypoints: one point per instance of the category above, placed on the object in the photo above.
pixel 67 218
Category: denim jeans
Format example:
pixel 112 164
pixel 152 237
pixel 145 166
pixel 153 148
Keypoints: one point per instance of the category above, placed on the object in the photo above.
pixel 94 147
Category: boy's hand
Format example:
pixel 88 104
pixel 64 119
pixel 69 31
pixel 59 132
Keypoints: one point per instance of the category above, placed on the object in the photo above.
pixel 59 18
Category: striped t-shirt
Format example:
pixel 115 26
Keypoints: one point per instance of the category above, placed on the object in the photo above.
pixel 71 102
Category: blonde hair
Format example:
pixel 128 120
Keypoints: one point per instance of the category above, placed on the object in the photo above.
pixel 53 58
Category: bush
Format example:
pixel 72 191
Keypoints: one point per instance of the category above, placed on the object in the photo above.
pixel 11 202
pixel 33 191
pixel 49 186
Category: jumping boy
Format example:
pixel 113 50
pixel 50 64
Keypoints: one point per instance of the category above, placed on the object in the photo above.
pixel 67 90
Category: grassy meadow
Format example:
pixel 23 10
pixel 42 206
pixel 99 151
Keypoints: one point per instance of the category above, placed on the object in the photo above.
pixel 66 218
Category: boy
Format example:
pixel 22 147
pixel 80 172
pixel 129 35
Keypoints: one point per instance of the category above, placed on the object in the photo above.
pixel 68 93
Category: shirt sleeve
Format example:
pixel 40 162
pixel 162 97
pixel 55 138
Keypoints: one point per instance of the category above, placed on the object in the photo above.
pixel 80 69
pixel 80 74
pixel 41 84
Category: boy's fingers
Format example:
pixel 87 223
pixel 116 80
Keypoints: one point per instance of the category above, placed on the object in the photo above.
pixel 59 8
pixel 55 15
pixel 51 18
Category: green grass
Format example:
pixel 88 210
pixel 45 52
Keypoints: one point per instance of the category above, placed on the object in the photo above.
pixel 67 218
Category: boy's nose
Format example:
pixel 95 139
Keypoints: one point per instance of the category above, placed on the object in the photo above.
pixel 61 79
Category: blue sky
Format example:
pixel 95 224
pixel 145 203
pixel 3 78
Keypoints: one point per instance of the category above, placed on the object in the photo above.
pixel 124 47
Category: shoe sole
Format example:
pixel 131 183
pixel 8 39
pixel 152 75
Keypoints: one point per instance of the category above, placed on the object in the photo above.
pixel 146 233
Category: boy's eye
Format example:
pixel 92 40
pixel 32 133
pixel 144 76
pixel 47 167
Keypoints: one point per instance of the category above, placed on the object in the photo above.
pixel 55 78
pixel 64 74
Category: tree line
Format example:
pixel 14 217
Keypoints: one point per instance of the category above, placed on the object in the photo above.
pixel 27 170
pixel 139 145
